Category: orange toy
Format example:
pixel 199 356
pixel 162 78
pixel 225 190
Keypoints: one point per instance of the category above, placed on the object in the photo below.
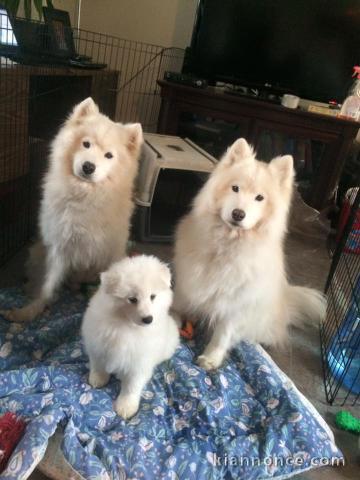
pixel 187 330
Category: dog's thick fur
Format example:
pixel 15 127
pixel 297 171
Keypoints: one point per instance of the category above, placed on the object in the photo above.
pixel 231 272
pixel 127 329
pixel 84 218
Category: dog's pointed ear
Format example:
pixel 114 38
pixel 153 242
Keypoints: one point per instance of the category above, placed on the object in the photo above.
pixel 83 109
pixel 240 149
pixel 109 281
pixel 283 169
pixel 134 136
pixel 239 152
pixel 165 274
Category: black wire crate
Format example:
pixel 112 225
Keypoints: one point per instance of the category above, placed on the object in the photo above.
pixel 340 332
pixel 44 72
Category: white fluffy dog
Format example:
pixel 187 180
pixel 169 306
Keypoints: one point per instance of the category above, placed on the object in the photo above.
pixel 86 205
pixel 229 261
pixel 127 329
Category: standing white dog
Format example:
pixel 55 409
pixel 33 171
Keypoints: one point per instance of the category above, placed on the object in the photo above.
pixel 127 329
pixel 86 205
pixel 229 261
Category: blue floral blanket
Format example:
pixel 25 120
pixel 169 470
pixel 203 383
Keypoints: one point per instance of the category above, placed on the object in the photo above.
pixel 244 421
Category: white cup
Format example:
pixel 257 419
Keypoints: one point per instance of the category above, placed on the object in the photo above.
pixel 290 101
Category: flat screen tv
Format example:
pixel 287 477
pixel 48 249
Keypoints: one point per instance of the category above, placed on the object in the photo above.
pixel 306 47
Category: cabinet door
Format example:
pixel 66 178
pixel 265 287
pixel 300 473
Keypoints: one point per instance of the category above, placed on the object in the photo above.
pixel 14 161
pixel 62 92
pixel 314 155
pixel 14 93
pixel 211 132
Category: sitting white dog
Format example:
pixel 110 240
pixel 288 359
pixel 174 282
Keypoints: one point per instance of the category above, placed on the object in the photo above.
pixel 86 206
pixel 127 329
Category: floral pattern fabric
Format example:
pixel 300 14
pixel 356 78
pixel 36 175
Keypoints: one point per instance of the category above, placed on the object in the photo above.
pixel 244 421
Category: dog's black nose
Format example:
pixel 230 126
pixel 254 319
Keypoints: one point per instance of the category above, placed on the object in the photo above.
pixel 238 215
pixel 88 168
pixel 147 320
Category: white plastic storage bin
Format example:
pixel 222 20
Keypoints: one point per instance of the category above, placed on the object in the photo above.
pixel 171 171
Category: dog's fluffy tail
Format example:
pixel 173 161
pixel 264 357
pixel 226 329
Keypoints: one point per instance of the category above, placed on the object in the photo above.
pixel 306 305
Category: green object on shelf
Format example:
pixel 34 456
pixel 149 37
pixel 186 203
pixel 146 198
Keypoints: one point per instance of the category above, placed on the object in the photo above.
pixel 346 421
pixel 13 7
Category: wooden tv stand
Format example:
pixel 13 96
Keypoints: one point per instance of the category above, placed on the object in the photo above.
pixel 214 119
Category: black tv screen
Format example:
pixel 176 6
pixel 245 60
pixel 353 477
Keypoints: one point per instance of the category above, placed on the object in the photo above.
pixel 306 47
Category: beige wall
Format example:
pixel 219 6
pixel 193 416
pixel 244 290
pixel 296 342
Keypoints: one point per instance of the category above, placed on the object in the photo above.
pixel 168 23
pixel 69 5
pixel 160 22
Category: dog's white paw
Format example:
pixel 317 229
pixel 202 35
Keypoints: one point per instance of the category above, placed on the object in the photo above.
pixel 126 407
pixel 208 362
pixel 98 379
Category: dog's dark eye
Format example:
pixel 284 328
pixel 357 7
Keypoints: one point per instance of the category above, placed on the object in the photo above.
pixel 108 155
pixel 152 297
pixel 86 144
pixel 259 198
pixel 235 188
pixel 133 299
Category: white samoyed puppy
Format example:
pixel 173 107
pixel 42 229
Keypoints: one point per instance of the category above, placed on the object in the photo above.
pixel 86 204
pixel 229 260
pixel 127 329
